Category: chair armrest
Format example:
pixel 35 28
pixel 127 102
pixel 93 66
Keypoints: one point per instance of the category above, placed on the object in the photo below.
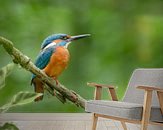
pixel 150 88
pixel 98 90
pixel 101 85
pixel 148 91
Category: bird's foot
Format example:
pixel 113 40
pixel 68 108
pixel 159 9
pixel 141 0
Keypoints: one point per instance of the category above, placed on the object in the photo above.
pixel 56 80
pixel 54 93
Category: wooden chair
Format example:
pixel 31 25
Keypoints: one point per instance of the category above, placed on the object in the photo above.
pixel 142 103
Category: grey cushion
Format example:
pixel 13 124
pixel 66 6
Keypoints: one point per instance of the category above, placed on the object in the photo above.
pixel 121 109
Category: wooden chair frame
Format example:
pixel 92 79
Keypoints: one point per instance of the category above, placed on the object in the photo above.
pixel 146 106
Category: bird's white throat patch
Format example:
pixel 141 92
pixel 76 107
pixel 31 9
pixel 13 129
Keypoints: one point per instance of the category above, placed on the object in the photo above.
pixel 67 44
pixel 50 45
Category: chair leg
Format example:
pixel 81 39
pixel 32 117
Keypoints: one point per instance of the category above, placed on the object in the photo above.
pixel 146 110
pixel 144 126
pixel 124 125
pixel 94 123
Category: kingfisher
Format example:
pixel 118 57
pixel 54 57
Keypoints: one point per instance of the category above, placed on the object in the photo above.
pixel 53 58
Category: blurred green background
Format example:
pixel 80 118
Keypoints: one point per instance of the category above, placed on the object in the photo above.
pixel 125 35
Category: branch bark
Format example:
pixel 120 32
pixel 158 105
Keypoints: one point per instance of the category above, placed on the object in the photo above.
pixel 19 58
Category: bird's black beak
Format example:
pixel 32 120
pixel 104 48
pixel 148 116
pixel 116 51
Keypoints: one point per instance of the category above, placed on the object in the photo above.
pixel 72 38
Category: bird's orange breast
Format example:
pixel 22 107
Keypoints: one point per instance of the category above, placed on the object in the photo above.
pixel 58 62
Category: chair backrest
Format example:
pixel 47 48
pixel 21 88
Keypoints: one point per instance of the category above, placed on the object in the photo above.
pixel 147 77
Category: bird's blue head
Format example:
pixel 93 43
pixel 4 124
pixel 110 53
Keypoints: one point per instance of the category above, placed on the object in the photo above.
pixel 60 40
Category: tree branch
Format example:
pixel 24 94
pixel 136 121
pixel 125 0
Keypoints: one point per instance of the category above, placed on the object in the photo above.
pixel 19 58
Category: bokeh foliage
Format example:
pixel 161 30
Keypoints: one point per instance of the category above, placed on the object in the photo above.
pixel 125 35
pixel 20 98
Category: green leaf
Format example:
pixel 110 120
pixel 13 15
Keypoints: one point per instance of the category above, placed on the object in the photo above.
pixel 8 126
pixel 20 99
pixel 4 72
pixel 4 108
pixel 24 98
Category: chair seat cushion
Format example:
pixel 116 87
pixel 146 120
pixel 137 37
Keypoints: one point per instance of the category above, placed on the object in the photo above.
pixel 125 110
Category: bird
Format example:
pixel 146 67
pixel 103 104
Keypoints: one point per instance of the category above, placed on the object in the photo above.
pixel 53 58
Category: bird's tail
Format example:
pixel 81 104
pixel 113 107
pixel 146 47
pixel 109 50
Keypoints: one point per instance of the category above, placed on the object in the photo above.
pixel 39 87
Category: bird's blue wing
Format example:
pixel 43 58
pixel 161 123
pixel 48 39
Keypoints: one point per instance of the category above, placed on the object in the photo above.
pixel 43 59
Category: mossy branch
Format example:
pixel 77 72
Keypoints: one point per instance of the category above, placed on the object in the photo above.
pixel 21 59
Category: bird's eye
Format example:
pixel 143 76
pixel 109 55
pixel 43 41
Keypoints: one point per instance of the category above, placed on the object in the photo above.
pixel 64 38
